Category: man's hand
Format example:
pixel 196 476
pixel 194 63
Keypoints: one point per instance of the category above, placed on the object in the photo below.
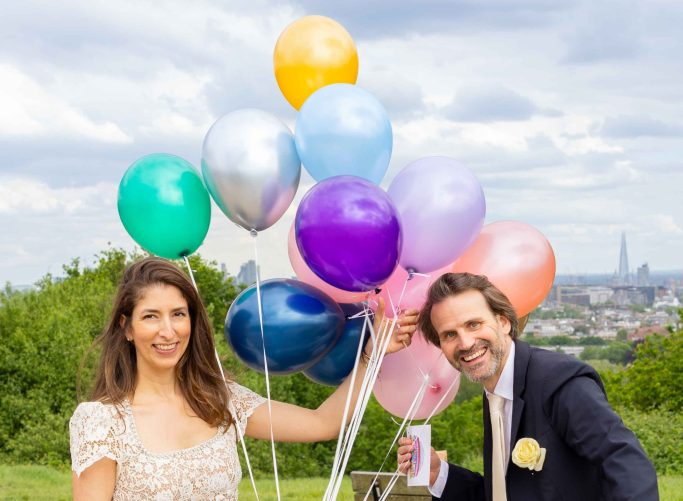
pixel 405 451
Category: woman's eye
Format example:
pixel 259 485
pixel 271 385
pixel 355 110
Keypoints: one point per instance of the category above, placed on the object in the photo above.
pixel 148 316
pixel 180 314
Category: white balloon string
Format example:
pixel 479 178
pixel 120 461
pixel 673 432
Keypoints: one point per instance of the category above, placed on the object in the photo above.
pixel 390 486
pixel 231 407
pixel 396 310
pixel 244 446
pixel 189 270
pixel 347 431
pixel 392 482
pixel 414 406
pixel 378 352
pixel 342 426
pixel 265 363
pixel 336 476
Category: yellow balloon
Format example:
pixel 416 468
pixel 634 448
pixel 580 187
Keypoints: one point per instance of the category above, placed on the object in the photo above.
pixel 312 52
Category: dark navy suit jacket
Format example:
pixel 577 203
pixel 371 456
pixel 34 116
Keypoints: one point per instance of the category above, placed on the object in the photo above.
pixel 590 454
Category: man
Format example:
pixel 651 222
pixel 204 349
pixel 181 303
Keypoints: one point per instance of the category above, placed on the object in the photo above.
pixel 545 411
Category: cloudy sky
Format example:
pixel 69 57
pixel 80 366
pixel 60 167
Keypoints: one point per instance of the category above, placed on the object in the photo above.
pixel 570 113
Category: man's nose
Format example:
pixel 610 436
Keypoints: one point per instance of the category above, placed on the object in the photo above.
pixel 466 342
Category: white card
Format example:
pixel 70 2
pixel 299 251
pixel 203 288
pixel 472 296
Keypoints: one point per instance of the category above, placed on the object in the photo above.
pixel 422 444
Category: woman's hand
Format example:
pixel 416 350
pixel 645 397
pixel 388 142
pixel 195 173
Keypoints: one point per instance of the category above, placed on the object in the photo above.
pixel 404 329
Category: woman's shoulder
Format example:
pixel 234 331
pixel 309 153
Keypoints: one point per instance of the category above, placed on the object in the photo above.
pixel 243 401
pixel 96 415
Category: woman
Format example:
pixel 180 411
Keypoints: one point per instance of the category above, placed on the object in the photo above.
pixel 161 423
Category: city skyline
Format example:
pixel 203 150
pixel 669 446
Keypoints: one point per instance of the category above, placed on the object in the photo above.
pixel 567 112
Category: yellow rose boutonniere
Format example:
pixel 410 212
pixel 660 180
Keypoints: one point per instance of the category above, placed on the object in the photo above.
pixel 528 454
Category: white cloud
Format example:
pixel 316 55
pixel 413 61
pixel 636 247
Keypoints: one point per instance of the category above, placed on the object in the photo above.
pixel 30 110
pixel 32 196
pixel 88 87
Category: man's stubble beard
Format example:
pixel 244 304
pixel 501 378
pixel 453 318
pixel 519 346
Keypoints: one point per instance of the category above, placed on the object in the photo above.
pixel 497 354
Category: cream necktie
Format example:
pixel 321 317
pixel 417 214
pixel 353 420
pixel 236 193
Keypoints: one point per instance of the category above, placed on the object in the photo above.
pixel 498 458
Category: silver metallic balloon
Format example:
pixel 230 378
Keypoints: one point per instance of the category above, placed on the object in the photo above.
pixel 251 167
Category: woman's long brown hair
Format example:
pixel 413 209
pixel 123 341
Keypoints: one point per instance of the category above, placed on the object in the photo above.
pixel 198 374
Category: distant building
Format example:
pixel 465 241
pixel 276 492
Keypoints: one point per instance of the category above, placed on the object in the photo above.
pixel 623 275
pixel 643 275
pixel 247 273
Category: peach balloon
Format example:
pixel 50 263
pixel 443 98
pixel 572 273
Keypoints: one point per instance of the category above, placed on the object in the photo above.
pixel 516 258
pixel 416 289
pixel 305 274
pixel 400 379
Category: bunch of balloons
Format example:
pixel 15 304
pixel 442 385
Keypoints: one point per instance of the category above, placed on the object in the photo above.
pixel 350 237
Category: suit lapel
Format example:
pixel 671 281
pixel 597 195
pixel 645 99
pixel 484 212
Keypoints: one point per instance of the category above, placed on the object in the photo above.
pixel 522 355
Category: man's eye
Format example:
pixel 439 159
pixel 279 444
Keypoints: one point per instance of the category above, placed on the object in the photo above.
pixel 475 325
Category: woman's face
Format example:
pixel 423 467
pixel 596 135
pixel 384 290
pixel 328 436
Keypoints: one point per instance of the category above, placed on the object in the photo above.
pixel 160 328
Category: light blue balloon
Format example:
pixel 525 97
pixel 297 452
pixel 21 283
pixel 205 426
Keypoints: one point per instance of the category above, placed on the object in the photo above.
pixel 343 129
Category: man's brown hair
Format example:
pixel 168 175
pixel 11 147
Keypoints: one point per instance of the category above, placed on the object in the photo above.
pixel 452 284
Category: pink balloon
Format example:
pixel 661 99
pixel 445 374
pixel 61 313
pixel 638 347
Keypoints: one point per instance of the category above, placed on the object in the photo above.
pixel 516 258
pixel 305 274
pixel 400 379
pixel 416 288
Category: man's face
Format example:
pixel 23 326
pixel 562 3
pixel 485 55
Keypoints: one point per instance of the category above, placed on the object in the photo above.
pixel 473 339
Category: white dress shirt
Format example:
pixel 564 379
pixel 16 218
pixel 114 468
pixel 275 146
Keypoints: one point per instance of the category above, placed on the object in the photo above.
pixel 504 388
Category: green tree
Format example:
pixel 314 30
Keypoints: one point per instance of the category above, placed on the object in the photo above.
pixel 654 379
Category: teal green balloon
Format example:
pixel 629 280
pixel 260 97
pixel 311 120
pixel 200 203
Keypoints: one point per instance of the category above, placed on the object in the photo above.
pixel 164 205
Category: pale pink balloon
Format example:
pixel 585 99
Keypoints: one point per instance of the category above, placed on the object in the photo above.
pixel 516 258
pixel 416 288
pixel 401 376
pixel 305 274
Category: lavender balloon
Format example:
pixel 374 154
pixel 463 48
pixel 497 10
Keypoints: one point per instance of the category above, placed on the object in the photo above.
pixel 349 233
pixel 442 208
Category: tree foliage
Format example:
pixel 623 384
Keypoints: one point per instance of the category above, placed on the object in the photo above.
pixel 45 333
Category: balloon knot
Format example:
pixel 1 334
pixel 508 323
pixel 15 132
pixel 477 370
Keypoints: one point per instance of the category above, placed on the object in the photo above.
pixel 253 233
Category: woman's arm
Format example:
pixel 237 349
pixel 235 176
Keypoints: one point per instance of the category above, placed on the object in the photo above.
pixel 96 482
pixel 292 423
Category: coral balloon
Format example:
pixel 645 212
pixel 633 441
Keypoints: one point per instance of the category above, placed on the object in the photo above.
pixel 349 233
pixel 343 129
pixel 442 210
pixel 401 376
pixel 516 258
pixel 164 205
pixel 300 325
pixel 312 52
pixel 305 274
pixel 415 293
pixel 251 167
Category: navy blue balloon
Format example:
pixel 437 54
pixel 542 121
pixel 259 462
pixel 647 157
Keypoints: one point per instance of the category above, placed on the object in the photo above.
pixel 300 323
pixel 337 364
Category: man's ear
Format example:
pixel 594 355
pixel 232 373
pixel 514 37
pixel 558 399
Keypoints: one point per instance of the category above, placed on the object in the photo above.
pixel 505 324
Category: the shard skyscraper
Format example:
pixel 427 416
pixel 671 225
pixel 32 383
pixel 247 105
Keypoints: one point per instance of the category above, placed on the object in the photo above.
pixel 624 277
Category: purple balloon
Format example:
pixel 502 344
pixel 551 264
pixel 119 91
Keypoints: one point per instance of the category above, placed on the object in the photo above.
pixel 442 209
pixel 349 233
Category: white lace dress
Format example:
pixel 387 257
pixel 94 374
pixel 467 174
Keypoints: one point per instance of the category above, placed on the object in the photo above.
pixel 210 470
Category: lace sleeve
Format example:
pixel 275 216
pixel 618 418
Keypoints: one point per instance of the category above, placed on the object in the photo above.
pixel 243 402
pixel 93 435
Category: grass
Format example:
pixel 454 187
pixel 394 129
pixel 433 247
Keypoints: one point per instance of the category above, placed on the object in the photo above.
pixel 31 482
